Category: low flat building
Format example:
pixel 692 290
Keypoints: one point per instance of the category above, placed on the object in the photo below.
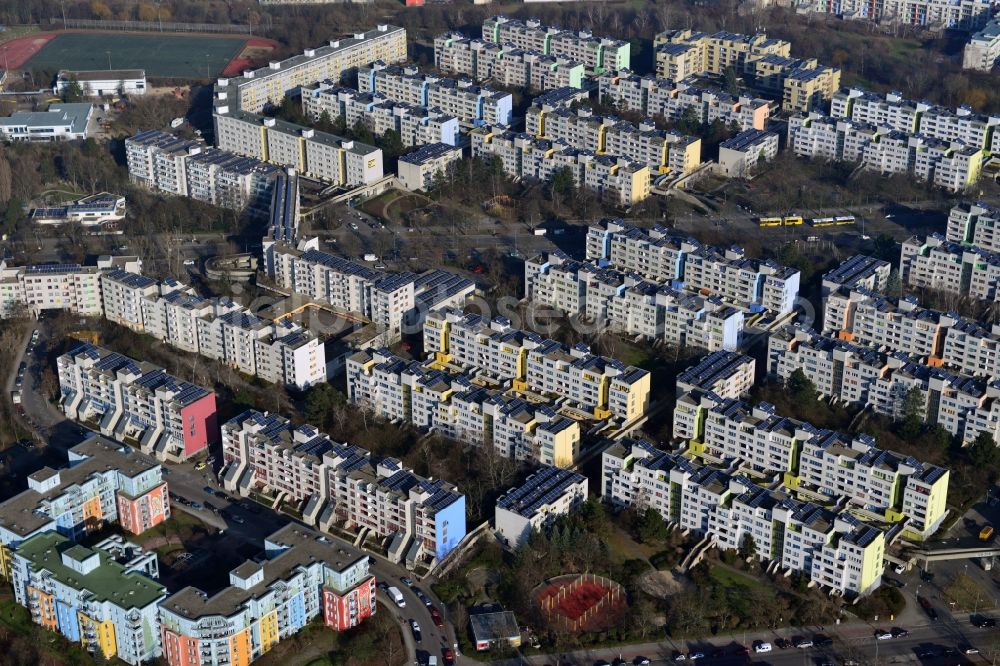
pixel 532 507
pixel 493 629
pixel 93 211
pixel 61 122
pixel 102 82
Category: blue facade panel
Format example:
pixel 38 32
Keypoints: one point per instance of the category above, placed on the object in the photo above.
pixel 450 527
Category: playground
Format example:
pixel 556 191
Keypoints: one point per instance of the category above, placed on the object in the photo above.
pixel 162 55
pixel 583 602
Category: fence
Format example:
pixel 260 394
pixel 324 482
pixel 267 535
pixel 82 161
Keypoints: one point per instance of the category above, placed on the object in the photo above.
pixel 151 26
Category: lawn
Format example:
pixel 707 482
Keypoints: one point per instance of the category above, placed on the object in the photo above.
pixel 160 55
pixel 727 577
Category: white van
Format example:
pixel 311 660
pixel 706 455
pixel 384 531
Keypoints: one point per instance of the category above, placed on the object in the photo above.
pixel 761 646
pixel 397 596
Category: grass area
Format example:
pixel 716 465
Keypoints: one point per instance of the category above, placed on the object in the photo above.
pixel 727 577
pixel 964 594
pixel 17 32
pixel 623 547
pixel 160 55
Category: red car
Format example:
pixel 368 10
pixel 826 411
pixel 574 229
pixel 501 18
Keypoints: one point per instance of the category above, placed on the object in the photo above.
pixel 447 656
pixel 436 616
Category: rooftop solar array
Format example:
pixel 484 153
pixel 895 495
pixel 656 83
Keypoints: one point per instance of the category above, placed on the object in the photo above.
pixel 542 488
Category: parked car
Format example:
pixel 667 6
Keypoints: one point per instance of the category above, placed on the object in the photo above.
pixel 760 647
pixel 897 632
pixel 415 628
pixel 694 656
pixel 680 656
pixel 822 640
pixel 801 642
pixel 883 635
pixel 448 656
pixel 783 643
pixel 641 661
pixel 436 617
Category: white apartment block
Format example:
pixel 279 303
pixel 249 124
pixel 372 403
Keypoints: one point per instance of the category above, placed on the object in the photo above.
pixel 740 156
pixel 832 464
pixel 661 150
pixel 279 352
pixel 415 125
pixel 976 224
pixel 869 378
pixel 597 54
pixel 342 484
pixel 70 287
pixel 983 49
pixel 238 103
pixel 438 399
pixel 460 98
pixel 898 113
pixel 419 170
pixel 655 96
pixel 537 503
pixel 963 345
pixel 930 14
pixel 952 165
pixel 858 272
pixel 729 274
pixel 162 162
pixel 632 306
pixel 136 402
pixel 936 263
pixel 830 546
pixel 723 373
pixel 389 300
pixel 505 64
pixel 602 386
pixel 616 179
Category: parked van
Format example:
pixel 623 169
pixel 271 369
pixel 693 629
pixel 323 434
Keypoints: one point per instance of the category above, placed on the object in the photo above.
pixel 761 646
pixel 397 596
pixel 986 533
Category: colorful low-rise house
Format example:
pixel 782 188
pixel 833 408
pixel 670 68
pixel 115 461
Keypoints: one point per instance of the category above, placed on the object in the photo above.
pixel 305 576
pixel 104 597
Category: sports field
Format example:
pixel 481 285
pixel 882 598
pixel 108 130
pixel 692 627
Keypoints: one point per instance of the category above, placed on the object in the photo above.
pixel 181 56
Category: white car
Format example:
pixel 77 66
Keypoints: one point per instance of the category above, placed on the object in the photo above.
pixel 899 569
pixel 189 262
pixel 761 647
pixel 883 635
pixel 353 225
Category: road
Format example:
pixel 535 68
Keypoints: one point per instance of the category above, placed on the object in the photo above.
pixel 240 518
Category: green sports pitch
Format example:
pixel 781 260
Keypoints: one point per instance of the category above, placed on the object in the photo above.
pixel 165 56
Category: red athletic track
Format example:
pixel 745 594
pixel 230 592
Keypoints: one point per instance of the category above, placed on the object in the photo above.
pixel 16 52
pixel 240 63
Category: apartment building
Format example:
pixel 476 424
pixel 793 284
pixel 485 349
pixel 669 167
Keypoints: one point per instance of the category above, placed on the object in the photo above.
pixel 901 325
pixel 163 162
pixel 104 483
pixel 661 150
pixel 832 464
pixel 857 272
pixel 880 381
pixel 238 103
pixel 71 287
pixel 280 352
pixel 655 96
pixel 983 49
pixel 974 224
pixel 390 300
pixel 342 483
pixel 904 115
pixel 726 374
pixel 506 64
pixel 136 402
pixel 632 306
pixel 831 547
pixel 605 387
pixel 951 165
pixel 659 255
pixel 304 576
pixel 478 411
pixel 803 84
pixel 613 178
pixel 937 263
pixel 415 125
pixel 537 503
pixel 466 101
pixel 741 155
pixel 419 170
pixel 930 14
pixel 597 54
pixel 104 598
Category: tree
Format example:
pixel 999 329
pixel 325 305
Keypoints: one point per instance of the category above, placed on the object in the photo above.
pixel 748 549
pixel 689 122
pixel 984 454
pixel 73 92
pixel 5 180
pixel 912 412
pixel 800 388
pixel 362 132
pixel 651 527
pixel 321 400
pixel 642 617
pixel 732 82
pixel 885 248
